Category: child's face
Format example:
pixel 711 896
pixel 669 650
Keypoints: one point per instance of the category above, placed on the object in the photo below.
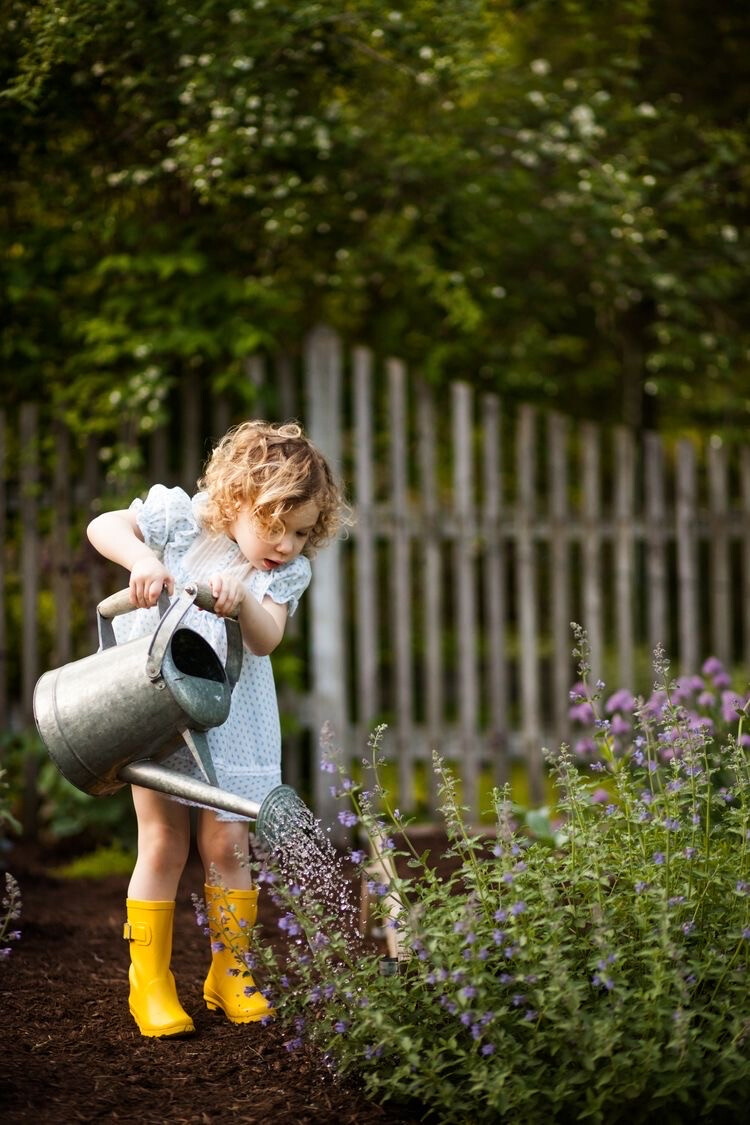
pixel 267 554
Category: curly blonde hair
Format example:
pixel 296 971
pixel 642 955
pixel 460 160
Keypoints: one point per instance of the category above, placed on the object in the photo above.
pixel 273 469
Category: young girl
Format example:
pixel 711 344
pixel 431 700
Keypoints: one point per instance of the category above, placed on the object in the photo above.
pixel 267 501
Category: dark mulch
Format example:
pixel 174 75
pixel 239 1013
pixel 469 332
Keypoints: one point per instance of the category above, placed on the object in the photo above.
pixel 71 1052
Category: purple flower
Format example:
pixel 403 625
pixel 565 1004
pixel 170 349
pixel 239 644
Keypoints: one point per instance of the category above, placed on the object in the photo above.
pixel 357 856
pixel 658 858
pixel 582 713
pixel 518 908
pixel 293 1044
pixel 500 915
pixel 348 819
pixel 622 700
pixel 340 1027
pixel 488 1048
pixel 731 705
pixel 640 887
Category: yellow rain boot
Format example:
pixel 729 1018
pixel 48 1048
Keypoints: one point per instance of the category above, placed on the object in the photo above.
pixel 153 994
pixel 229 986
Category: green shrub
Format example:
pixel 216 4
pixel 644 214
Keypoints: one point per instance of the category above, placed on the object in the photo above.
pixel 65 812
pixel 599 973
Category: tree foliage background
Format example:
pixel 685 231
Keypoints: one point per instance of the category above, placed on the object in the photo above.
pixel 547 197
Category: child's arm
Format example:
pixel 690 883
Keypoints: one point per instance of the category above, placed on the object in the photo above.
pixel 117 536
pixel 262 623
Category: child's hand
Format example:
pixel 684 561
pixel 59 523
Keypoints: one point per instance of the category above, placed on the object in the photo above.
pixel 148 578
pixel 228 592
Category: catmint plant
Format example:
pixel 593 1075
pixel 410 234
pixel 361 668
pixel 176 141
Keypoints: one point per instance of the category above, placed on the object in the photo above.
pixel 10 912
pixel 598 973
pixel 10 904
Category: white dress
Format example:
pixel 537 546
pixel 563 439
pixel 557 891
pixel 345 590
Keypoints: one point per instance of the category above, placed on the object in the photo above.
pixel 246 749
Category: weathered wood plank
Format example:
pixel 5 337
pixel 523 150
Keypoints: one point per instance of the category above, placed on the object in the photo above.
pixel 432 561
pixel 495 599
pixel 591 546
pixel 560 572
pixel 689 633
pixel 655 524
pixel 61 552
pixel 323 402
pixel 745 550
pixel 527 599
pixel 366 579
pixel 191 428
pixel 28 429
pixel 465 579
pixel 624 556
pixel 401 589
pixel 4 661
pixel 719 577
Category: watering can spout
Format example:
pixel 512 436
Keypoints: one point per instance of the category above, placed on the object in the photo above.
pixel 281 813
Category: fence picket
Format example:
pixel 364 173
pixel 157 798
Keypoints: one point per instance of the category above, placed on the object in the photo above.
pixel 655 540
pixel 61 554
pixel 494 590
pixel 28 429
pixel 526 593
pixel 432 603
pixel 401 607
pixel 591 545
pixel 366 585
pixel 745 549
pixel 465 581
pixel 323 402
pixel 4 661
pixel 190 433
pixel 718 549
pixel 624 555
pixel 559 563
pixel 689 639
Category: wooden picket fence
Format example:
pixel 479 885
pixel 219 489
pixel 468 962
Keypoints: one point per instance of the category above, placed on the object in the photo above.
pixel 480 535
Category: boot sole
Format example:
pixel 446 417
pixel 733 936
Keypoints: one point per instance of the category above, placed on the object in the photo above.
pixel 214 1007
pixel 173 1031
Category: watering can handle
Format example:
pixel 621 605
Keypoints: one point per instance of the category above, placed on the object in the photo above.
pixel 193 594
pixel 119 603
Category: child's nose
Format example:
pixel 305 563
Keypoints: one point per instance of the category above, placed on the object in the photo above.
pixel 285 544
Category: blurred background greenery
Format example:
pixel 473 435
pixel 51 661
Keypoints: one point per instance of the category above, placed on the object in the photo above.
pixel 545 198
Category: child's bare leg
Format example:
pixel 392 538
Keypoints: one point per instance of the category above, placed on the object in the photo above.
pixel 223 848
pixel 163 845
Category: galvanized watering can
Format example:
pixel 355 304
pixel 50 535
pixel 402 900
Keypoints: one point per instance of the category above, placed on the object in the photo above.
pixel 103 719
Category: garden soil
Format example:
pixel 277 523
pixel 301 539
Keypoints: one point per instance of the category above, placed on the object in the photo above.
pixel 71 1052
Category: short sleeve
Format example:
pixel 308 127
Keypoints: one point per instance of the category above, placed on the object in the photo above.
pixel 165 516
pixel 289 582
